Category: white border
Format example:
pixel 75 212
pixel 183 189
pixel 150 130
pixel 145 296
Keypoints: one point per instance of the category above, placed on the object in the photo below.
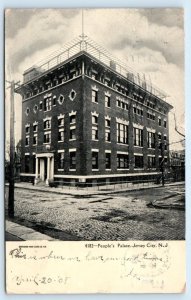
pixel 111 3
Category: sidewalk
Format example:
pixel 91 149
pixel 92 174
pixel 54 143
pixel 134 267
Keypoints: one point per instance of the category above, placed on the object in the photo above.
pixel 16 232
pixel 90 191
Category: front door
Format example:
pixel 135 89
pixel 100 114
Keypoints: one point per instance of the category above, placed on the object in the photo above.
pixel 43 168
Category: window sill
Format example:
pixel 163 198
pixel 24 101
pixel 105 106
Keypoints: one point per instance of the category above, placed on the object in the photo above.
pixel 122 144
pixel 108 169
pixel 47 143
pixel 122 169
pixel 72 169
pixel 138 146
pixel 95 140
pixel 108 142
pixel 60 141
pixel 95 170
pixel 60 170
pixel 72 140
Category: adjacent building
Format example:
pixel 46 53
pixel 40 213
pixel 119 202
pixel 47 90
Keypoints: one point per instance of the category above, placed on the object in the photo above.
pixel 87 119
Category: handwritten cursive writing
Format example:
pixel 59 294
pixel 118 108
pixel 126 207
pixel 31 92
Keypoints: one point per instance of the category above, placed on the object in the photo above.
pixel 40 280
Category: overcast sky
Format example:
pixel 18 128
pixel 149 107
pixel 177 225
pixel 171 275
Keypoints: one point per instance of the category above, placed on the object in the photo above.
pixel 151 41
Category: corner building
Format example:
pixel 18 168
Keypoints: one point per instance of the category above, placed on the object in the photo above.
pixel 86 119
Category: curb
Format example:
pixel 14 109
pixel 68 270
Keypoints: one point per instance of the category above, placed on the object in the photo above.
pixel 77 192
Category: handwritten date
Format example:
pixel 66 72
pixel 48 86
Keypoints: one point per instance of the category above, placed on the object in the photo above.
pixel 40 280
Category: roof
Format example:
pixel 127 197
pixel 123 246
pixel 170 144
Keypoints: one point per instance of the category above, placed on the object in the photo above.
pixel 85 44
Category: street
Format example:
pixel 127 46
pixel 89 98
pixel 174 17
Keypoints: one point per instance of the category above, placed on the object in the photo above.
pixel 121 216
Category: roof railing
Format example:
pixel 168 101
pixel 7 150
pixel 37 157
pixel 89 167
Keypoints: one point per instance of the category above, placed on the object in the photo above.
pixel 98 52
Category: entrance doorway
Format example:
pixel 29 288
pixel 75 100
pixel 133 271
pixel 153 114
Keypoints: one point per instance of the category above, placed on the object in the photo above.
pixel 44 167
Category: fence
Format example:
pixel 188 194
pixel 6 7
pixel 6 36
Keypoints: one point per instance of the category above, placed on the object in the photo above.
pixel 115 185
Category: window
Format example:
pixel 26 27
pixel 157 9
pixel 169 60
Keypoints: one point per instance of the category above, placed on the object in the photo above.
pixel 165 138
pixel 137 97
pixel 107 135
pixel 150 104
pixel 151 162
pixel 27 111
pixel 72 95
pixel 122 133
pixel 122 104
pixel 138 111
pixel 108 160
pixel 35 108
pixel 165 146
pixel 47 138
pixel 73 160
pixel 35 140
pixel 159 136
pixel 94 133
pixel 138 161
pixel 94 160
pixel 61 135
pixel 122 161
pixel 150 139
pixel 94 127
pixel 94 119
pixel 150 116
pixel 47 104
pixel 118 103
pixel 72 133
pixel 35 127
pixel 159 121
pixel 107 130
pixel 72 127
pixel 27 161
pixel 107 122
pixel 47 124
pixel 61 160
pixel 72 119
pixel 61 122
pixel 61 99
pixel 107 101
pixel 27 128
pixel 164 123
pixel 138 137
pixel 94 96
pixel 27 141
pixel 40 105
pixel 54 101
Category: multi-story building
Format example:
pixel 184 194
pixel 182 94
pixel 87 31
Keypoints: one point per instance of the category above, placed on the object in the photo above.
pixel 177 164
pixel 86 118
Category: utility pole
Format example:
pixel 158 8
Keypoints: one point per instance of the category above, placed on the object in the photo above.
pixel 12 151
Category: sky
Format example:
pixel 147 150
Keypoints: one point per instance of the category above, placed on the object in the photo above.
pixel 151 41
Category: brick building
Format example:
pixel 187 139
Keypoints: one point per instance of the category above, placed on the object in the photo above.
pixel 87 119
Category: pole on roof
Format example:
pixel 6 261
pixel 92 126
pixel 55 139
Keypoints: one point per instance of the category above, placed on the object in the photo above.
pixel 82 24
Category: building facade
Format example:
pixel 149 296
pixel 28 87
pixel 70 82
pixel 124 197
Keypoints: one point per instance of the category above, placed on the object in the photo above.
pixel 87 119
